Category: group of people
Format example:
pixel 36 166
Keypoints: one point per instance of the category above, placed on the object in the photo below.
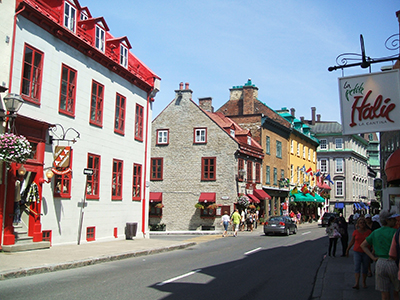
pixel 372 241
pixel 295 217
pixel 239 221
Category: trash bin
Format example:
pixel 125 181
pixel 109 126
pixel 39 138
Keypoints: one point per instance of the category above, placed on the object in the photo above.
pixel 130 230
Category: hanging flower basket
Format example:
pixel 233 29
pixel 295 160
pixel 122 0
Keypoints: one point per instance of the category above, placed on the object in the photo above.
pixel 244 201
pixel 14 148
pixel 213 206
pixel 159 205
pixel 199 206
pixel 251 206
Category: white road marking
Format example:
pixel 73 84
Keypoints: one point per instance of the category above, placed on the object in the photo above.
pixel 178 277
pixel 307 232
pixel 251 251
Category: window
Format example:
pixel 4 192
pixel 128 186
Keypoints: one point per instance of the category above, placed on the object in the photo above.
pixel 248 140
pixel 278 149
pixel 241 171
pixel 282 173
pixel 339 143
pixel 323 166
pixel 63 175
pixel 46 236
pixel 156 169
pixel 258 179
pixel 323 145
pixel 275 176
pixel 292 146
pixel 291 173
pixel 93 181
pixel 162 137
pixel 32 75
pixel 298 149
pixel 119 123
pixel 155 209
pixel 139 123
pixel 123 59
pixel 208 211
pixel 339 188
pixel 116 183
pixel 304 152
pixel 84 15
pixel 232 132
pixel 69 16
pixel 268 175
pixel 268 145
pixel 309 153
pixel 96 104
pixel 249 171
pixel 90 234
pixel 67 91
pixel 136 184
pixel 100 34
pixel 339 165
pixel 208 167
pixel 200 135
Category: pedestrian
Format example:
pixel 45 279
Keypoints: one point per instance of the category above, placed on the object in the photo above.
pixel 236 221
pixel 361 259
pixel 371 225
pixel 249 221
pixel 333 233
pixel 17 202
pixel 344 239
pixel 225 221
pixel 257 216
pixel 242 220
pixel 298 216
pixel 385 268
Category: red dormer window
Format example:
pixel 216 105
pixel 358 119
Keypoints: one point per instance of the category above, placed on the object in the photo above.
pixel 69 16
pixel 123 58
pixel 100 38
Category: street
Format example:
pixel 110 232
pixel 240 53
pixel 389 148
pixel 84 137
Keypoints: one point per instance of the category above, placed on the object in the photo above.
pixel 251 266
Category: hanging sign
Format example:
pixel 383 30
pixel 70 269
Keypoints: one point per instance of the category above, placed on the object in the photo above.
pixel 61 156
pixel 370 102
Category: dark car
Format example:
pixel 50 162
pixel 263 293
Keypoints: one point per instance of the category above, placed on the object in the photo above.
pixel 325 218
pixel 280 224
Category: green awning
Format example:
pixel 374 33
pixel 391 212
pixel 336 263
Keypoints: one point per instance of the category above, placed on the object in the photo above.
pixel 300 197
pixel 319 198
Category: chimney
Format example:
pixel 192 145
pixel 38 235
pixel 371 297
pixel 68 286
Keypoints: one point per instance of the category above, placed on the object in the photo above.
pixel 293 112
pixel 206 104
pixel 318 118
pixel 250 94
pixel 183 93
pixel 313 109
pixel 302 119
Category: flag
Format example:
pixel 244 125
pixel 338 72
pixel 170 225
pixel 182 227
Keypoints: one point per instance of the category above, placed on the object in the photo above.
pixel 318 173
pixel 303 168
pixel 312 192
pixel 309 170
pixel 304 189
pixel 328 177
pixel 294 191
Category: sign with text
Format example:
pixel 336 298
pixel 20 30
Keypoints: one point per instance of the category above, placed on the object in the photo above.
pixel 370 102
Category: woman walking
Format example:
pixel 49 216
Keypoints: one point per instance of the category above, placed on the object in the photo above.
pixel 333 233
pixel 361 259
pixel 225 220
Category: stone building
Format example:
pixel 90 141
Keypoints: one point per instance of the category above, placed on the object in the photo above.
pixel 201 162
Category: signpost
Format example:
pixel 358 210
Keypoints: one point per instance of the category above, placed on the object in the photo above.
pixel 87 172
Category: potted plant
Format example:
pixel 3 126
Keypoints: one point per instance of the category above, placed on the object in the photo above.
pixel 14 148
pixel 199 206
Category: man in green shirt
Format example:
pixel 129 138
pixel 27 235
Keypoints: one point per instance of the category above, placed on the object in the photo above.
pixel 236 221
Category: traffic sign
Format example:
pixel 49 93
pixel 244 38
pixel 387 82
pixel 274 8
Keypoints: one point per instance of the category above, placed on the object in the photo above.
pixel 88 172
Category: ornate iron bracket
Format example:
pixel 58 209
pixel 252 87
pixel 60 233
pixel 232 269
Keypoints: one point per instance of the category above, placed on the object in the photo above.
pixel 364 61
pixel 62 135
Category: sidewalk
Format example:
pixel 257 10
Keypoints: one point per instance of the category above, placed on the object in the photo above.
pixel 334 279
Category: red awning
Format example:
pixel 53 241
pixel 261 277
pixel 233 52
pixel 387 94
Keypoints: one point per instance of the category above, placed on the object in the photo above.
pixel 155 197
pixel 253 199
pixel 392 168
pixel 207 197
pixel 261 194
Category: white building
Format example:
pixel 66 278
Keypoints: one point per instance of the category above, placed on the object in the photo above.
pixel 85 90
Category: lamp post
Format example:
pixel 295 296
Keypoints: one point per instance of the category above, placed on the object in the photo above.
pixel 13 103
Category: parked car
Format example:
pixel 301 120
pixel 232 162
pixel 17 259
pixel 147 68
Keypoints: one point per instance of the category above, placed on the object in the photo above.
pixel 280 224
pixel 325 218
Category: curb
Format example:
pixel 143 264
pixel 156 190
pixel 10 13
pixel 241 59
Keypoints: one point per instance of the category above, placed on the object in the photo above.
pixel 319 280
pixel 87 262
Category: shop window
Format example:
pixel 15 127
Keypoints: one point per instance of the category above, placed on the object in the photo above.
pixel 208 211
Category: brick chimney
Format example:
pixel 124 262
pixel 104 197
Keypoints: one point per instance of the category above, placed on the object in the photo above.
pixel 250 93
pixel 183 93
pixel 206 104
pixel 313 109
pixel 293 112
pixel 318 118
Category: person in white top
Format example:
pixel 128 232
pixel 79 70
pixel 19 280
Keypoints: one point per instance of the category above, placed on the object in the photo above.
pixel 225 220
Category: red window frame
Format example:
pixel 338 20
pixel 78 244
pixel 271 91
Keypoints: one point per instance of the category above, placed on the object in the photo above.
pixel 116 182
pixel 258 173
pixel 157 168
pixel 158 142
pixel 62 182
pixel 90 233
pixel 136 182
pixel 249 171
pixel 208 168
pixel 93 181
pixel 31 77
pixel 139 122
pixel 240 167
pixel 67 91
pixel 120 106
pixel 194 135
pixel 96 104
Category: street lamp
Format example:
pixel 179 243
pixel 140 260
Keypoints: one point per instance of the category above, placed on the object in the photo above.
pixel 13 103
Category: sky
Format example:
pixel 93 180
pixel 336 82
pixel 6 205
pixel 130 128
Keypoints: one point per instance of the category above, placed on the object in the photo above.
pixel 285 47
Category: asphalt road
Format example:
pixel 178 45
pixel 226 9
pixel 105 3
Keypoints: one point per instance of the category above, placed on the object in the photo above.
pixel 250 266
